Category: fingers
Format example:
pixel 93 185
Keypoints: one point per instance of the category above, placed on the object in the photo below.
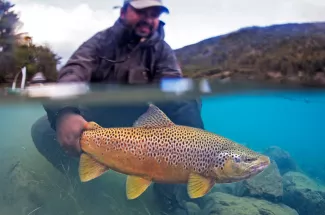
pixel 72 147
pixel 86 126
pixel 69 131
pixel 72 152
pixel 70 144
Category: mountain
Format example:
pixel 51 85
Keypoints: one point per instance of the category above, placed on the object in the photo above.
pixel 283 53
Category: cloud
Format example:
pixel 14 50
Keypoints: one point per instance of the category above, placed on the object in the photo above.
pixel 64 29
pixel 66 24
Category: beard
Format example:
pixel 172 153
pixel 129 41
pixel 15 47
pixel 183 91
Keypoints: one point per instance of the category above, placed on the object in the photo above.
pixel 143 29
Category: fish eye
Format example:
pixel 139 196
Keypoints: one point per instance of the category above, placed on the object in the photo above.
pixel 250 159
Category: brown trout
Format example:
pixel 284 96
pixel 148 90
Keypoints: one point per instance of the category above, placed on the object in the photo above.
pixel 155 149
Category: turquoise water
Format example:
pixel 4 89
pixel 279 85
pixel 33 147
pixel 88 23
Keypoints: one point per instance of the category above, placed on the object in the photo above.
pixel 292 121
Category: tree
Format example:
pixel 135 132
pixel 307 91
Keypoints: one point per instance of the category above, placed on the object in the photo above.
pixel 18 50
pixel 8 24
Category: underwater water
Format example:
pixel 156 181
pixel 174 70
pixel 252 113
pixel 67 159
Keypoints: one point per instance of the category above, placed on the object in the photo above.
pixel 288 126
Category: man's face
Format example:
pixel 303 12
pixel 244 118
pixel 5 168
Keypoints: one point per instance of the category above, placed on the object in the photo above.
pixel 144 21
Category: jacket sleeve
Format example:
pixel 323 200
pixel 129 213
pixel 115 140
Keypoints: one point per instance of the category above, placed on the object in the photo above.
pixel 82 63
pixel 79 68
pixel 181 112
pixel 166 64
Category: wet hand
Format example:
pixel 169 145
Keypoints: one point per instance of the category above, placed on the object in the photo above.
pixel 69 128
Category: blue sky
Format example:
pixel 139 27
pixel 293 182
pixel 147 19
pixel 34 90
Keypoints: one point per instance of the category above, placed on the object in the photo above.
pixel 64 25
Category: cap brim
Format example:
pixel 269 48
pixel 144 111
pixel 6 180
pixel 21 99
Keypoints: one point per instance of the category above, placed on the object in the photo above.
pixel 149 3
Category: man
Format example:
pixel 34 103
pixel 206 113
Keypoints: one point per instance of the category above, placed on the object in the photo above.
pixel 132 51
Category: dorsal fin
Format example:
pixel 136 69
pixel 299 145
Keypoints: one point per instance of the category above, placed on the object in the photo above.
pixel 153 117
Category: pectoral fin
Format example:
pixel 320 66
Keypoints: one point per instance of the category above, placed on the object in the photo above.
pixel 90 168
pixel 198 185
pixel 135 186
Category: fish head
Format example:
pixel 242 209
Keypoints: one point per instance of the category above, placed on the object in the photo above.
pixel 237 163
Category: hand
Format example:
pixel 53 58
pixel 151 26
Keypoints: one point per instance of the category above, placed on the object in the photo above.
pixel 69 128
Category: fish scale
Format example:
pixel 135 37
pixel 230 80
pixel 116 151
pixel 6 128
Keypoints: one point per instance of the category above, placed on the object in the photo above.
pixel 192 150
pixel 156 149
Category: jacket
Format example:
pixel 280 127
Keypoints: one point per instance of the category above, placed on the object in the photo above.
pixel 112 56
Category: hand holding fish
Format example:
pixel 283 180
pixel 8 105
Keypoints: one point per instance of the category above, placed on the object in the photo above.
pixel 69 129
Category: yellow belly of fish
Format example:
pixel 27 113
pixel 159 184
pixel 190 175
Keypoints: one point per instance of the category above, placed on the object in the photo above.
pixel 146 167
pixel 149 168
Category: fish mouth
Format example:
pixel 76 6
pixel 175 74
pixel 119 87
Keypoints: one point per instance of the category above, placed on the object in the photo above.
pixel 256 168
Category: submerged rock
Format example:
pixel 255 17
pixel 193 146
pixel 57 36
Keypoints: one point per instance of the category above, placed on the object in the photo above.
pixel 266 185
pixel 282 158
pixel 167 194
pixel 190 209
pixel 303 194
pixel 173 199
pixel 225 204
pixel 316 172
pixel 229 188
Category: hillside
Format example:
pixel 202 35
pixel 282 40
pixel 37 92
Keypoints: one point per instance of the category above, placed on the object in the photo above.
pixel 283 53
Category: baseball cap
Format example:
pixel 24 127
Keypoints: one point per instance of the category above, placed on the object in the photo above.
pixel 141 4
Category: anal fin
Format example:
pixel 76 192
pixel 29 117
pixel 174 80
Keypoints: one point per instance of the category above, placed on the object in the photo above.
pixel 199 185
pixel 90 168
pixel 135 186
